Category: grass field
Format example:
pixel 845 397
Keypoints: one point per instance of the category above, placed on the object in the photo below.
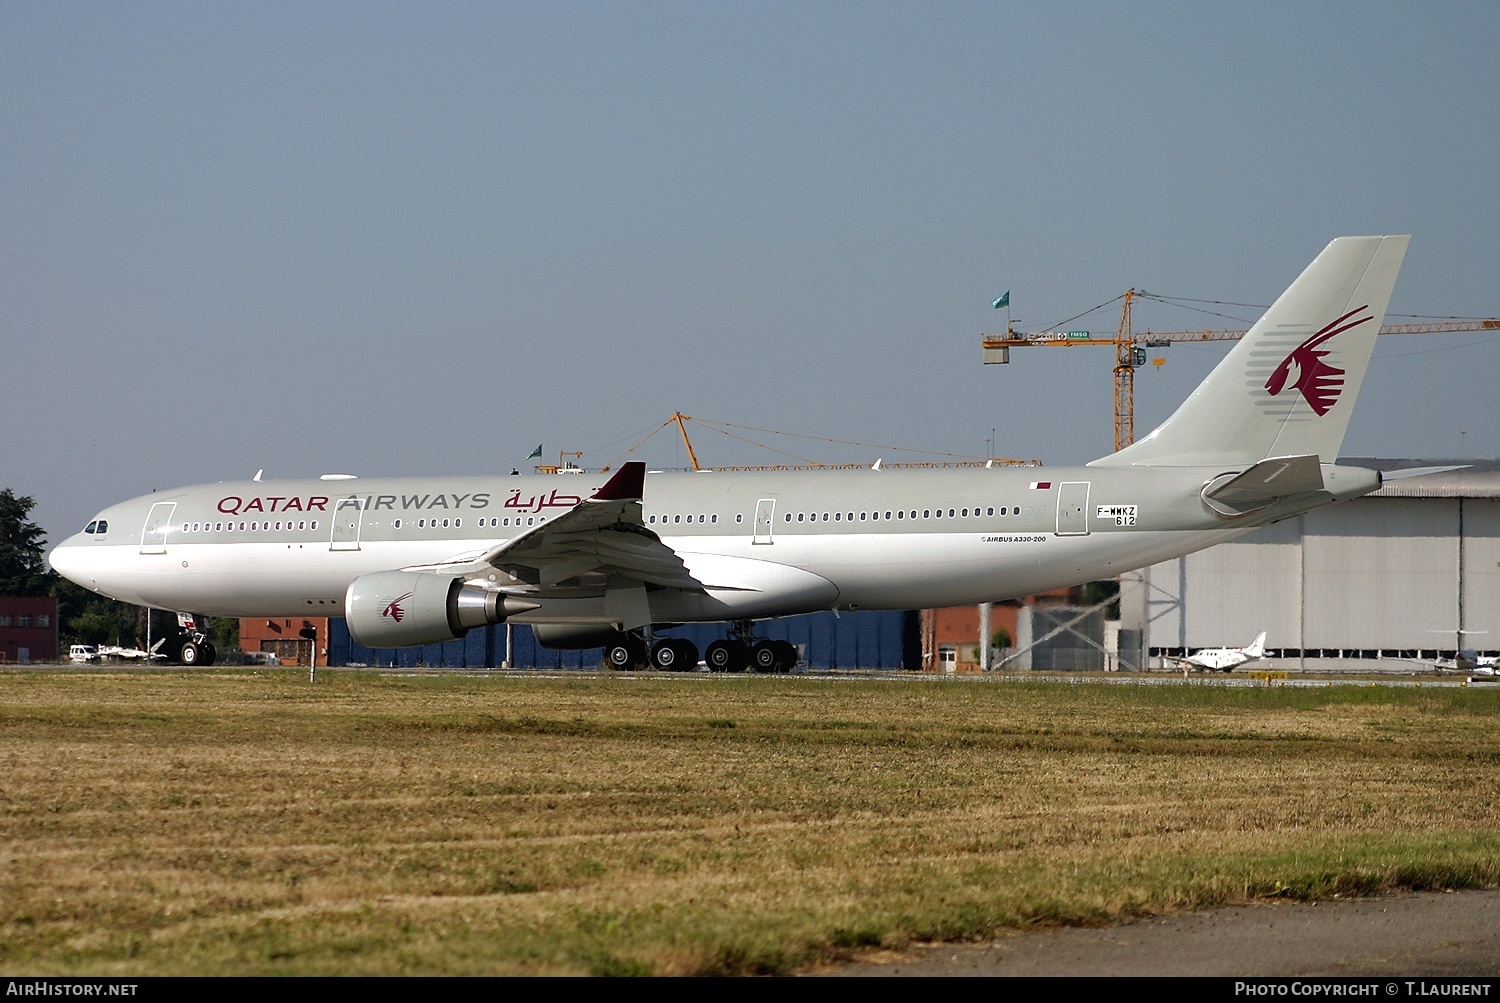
pixel 234 822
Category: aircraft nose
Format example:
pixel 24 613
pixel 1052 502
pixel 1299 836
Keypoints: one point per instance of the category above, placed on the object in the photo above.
pixel 69 560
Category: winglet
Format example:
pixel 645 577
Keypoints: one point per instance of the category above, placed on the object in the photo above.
pixel 626 485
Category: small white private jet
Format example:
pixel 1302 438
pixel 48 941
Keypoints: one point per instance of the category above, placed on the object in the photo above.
pixel 608 560
pixel 116 653
pixel 1468 663
pixel 1225 659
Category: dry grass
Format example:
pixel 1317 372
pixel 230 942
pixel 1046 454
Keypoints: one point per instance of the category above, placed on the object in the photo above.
pixel 253 823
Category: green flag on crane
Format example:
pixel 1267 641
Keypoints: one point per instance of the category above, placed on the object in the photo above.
pixel 1002 301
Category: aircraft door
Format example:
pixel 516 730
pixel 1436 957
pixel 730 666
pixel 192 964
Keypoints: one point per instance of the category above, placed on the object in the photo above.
pixel 158 522
pixel 765 510
pixel 348 516
pixel 1073 508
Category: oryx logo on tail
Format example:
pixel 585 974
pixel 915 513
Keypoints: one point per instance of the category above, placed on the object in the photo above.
pixel 1319 383
pixel 395 610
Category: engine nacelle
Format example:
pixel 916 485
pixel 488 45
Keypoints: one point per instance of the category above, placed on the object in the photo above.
pixel 398 609
pixel 575 636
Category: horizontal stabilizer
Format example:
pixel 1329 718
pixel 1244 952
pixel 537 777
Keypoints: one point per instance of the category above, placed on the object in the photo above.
pixel 1268 480
pixel 1399 475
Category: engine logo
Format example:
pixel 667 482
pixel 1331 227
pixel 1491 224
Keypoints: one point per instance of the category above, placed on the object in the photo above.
pixel 1319 383
pixel 395 610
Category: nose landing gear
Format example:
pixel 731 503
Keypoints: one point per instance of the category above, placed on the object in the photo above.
pixel 191 645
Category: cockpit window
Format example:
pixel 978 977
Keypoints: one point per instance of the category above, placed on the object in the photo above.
pixel 97 528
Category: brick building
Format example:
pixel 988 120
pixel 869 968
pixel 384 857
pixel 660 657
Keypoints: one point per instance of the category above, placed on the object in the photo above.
pixel 294 641
pixel 950 637
pixel 28 629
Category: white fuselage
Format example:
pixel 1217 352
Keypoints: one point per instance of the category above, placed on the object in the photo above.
pixel 762 543
pixel 1220 659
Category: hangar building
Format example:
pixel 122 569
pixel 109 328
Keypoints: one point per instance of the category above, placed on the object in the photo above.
pixel 1404 572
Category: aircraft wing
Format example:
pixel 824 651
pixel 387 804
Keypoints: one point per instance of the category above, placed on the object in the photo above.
pixel 603 535
pixel 1437 665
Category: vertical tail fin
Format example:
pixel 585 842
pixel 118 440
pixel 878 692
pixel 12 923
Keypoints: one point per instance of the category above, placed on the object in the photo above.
pixel 1257 647
pixel 1288 387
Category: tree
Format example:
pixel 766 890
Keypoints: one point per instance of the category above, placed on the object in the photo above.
pixel 1097 592
pixel 83 616
pixel 224 632
pixel 88 618
pixel 23 563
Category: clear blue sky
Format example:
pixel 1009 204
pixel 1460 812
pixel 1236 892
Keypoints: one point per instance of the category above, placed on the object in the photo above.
pixel 422 238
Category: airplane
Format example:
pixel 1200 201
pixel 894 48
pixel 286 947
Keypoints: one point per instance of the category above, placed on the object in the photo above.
pixel 88 654
pixel 115 653
pixel 1224 659
pixel 1466 662
pixel 610 559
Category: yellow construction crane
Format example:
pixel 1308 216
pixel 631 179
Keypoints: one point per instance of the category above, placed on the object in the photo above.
pixel 1130 350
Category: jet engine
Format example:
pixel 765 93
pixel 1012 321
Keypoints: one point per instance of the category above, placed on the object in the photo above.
pixel 575 636
pixel 398 609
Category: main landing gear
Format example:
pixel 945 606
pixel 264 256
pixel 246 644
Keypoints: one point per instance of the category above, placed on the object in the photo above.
pixel 666 654
pixel 741 650
pixel 758 654
pixel 736 653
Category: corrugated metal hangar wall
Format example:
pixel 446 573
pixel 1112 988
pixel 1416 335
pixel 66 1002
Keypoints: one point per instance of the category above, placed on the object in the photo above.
pixel 867 639
pixel 1397 572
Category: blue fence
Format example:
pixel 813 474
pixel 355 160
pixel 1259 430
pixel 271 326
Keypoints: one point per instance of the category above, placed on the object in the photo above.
pixel 874 639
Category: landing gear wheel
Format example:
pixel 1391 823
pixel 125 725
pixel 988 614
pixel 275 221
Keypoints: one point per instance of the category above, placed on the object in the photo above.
pixel 674 654
pixel 764 657
pixel 625 654
pixel 725 656
pixel 662 655
pixel 788 655
pixel 210 654
pixel 190 654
